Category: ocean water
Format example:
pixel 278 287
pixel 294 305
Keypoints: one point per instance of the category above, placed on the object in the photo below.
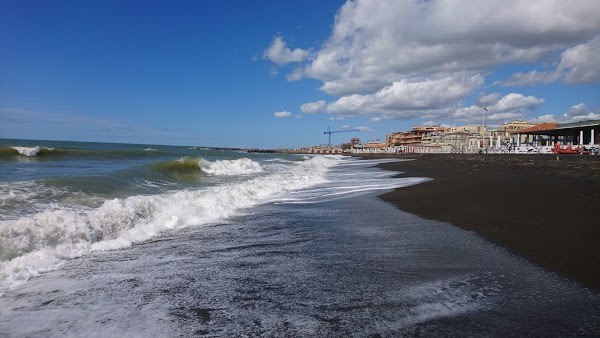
pixel 142 240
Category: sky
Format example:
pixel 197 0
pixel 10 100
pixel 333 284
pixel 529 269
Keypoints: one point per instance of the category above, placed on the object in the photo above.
pixel 277 74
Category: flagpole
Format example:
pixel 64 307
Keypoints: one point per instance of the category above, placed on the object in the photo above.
pixel 483 117
pixel 483 126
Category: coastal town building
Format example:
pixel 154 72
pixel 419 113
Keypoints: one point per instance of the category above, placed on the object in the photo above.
pixel 507 131
pixel 547 134
pixel 514 137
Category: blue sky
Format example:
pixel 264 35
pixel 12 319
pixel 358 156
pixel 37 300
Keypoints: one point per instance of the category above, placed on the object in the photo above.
pixel 277 73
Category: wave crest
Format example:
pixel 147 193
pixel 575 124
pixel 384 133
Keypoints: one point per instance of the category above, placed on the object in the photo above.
pixel 29 151
pixel 182 165
pixel 242 166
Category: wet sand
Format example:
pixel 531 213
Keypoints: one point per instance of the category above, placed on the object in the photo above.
pixel 543 209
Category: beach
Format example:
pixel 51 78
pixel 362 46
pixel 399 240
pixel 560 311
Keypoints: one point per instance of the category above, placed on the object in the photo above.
pixel 146 240
pixel 540 208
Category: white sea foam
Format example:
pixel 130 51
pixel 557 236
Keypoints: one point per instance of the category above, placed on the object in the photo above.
pixel 443 298
pixel 242 166
pixel 24 197
pixel 351 177
pixel 30 151
pixel 11 192
pixel 42 242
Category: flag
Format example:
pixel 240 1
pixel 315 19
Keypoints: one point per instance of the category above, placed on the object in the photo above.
pixel 484 108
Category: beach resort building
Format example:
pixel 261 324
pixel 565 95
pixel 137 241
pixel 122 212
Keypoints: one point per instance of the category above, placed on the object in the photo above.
pixel 507 131
pixel 585 133
pixel 515 137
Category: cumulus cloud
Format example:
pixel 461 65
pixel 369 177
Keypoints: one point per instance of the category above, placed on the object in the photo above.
pixel 543 119
pixel 579 64
pixel 313 107
pixel 509 107
pixel 283 114
pixel 359 128
pixel 279 53
pixel 422 59
pixel 419 37
pixel 402 99
pixel 487 100
pixel 517 102
pixel 580 112
pixel 528 78
pixel 576 113
pixel 296 75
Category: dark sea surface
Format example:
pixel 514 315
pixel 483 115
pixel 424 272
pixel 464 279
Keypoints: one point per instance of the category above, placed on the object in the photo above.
pixel 137 240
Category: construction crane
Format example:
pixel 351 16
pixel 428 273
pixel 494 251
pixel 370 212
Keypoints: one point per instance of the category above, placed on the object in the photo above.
pixel 329 131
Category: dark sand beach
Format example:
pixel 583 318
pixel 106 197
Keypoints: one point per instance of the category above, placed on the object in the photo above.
pixel 543 209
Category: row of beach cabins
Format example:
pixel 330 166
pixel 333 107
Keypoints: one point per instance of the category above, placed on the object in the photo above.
pixel 517 137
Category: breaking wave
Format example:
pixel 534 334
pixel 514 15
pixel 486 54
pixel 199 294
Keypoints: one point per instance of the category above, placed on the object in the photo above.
pixel 42 242
pixel 29 151
pixel 242 166
pixel 182 165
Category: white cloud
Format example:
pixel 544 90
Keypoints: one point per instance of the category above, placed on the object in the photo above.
pixel 510 107
pixel 579 64
pixel 543 119
pixel 528 78
pixel 273 72
pixel 375 119
pixel 403 99
pixel 296 75
pixel 516 102
pixel 279 53
pixel 283 114
pixel 578 110
pixel 487 100
pixel 427 37
pixel 576 113
pixel 313 107
pixel 359 128
pixel 405 59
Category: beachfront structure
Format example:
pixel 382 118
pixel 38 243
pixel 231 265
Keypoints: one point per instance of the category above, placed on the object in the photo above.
pixel 432 139
pixel 371 148
pixel 585 133
pixel 515 137
pixel 507 130
pixel 417 135
pixel 324 150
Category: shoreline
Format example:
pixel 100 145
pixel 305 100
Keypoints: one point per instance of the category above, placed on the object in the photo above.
pixel 541 209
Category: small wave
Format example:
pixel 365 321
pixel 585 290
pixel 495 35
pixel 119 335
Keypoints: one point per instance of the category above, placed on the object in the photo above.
pixel 184 165
pixel 242 166
pixel 51 152
pixel 29 151
pixel 8 151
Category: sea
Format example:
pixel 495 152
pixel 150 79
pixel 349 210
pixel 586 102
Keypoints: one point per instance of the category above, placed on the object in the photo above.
pixel 104 239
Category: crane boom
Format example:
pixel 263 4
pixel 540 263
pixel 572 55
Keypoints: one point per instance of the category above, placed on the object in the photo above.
pixel 329 131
